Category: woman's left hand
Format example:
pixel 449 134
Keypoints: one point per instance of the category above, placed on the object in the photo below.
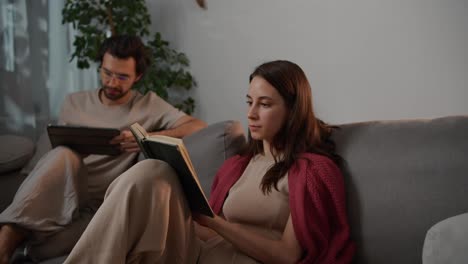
pixel 203 226
pixel 206 221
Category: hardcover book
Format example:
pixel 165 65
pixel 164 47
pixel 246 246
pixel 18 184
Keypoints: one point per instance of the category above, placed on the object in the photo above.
pixel 84 140
pixel 173 151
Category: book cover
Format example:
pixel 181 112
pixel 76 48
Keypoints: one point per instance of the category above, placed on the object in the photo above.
pixel 84 140
pixel 173 151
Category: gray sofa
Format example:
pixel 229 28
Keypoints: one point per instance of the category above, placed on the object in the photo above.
pixel 402 178
pixel 406 185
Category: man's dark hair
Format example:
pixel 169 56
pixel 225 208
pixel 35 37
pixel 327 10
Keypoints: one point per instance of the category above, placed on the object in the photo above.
pixel 126 46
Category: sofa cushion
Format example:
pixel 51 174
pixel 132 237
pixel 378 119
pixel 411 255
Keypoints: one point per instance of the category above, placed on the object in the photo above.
pixel 447 241
pixel 16 151
pixel 401 178
pixel 211 146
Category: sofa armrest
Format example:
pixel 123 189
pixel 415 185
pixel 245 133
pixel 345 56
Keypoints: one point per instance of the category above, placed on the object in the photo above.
pixel 9 184
pixel 447 241
pixel 42 147
pixel 14 154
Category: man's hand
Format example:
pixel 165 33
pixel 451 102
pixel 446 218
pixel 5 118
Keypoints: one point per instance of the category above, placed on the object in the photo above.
pixel 127 142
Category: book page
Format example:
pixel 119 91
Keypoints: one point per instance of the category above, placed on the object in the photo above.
pixel 166 139
pixel 186 157
pixel 138 131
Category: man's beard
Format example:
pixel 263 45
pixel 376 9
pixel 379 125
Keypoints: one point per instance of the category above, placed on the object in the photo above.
pixel 113 93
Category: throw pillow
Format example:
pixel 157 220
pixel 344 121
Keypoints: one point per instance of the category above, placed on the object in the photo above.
pixel 447 241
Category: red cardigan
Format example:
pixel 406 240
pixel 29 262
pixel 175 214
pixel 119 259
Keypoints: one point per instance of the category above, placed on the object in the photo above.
pixel 317 204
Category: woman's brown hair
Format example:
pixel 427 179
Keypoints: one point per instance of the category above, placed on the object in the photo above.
pixel 301 132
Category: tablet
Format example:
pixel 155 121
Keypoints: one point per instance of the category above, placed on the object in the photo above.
pixel 84 140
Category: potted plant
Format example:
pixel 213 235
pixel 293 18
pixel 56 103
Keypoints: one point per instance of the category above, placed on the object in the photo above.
pixel 97 19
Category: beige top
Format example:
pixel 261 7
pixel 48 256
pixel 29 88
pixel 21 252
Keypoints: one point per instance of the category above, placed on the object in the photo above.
pixel 86 109
pixel 246 204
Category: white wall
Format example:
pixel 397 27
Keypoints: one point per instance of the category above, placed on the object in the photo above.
pixel 365 59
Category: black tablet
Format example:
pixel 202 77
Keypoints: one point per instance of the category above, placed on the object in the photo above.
pixel 84 140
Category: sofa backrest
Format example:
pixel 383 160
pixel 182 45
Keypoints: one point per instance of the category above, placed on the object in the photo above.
pixel 211 146
pixel 402 177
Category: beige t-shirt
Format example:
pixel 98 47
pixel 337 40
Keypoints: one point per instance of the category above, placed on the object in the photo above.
pixel 246 204
pixel 86 109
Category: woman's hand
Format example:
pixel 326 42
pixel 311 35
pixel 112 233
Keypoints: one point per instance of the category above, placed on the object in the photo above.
pixel 282 250
pixel 206 221
pixel 202 226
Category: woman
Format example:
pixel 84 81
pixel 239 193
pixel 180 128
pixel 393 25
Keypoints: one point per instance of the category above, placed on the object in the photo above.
pixel 283 201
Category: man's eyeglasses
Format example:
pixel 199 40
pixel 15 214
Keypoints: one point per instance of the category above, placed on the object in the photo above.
pixel 108 75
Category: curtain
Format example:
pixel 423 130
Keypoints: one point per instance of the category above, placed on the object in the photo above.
pixel 65 77
pixel 33 85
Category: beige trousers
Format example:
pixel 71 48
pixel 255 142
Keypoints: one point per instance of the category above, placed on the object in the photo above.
pixel 144 219
pixel 59 197
pixel 51 204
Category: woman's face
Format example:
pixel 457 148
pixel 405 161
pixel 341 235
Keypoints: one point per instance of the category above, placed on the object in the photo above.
pixel 266 110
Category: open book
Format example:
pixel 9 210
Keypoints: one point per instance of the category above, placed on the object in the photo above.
pixel 84 140
pixel 173 151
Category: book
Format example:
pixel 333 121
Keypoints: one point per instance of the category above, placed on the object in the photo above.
pixel 173 151
pixel 84 140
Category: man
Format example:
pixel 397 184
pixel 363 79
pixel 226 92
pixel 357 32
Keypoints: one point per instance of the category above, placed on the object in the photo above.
pixel 58 198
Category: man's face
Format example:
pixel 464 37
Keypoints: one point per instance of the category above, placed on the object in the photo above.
pixel 117 77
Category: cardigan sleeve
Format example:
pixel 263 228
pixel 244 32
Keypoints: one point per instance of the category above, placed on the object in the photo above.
pixel 318 210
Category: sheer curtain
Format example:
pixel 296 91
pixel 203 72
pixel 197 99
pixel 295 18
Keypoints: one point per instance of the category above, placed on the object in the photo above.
pixel 33 86
pixel 64 76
